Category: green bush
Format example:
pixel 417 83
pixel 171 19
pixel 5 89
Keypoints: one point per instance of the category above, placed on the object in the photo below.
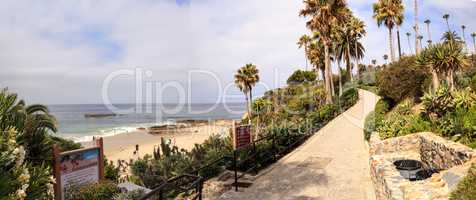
pixel 402 79
pixel 132 195
pixel 348 98
pixel 111 172
pixel 300 76
pixel 369 125
pixel 96 191
pixel 383 106
pixel 473 83
pixel 466 189
pixel 400 125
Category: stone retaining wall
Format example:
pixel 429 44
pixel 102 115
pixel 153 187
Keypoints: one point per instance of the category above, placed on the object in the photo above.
pixel 452 159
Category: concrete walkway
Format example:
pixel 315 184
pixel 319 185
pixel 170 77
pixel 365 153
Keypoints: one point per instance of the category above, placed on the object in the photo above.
pixel 333 164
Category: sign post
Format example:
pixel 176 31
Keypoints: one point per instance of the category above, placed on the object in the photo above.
pixel 77 167
pixel 242 135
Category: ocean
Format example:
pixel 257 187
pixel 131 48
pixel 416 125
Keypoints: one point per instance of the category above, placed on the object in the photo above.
pixel 73 123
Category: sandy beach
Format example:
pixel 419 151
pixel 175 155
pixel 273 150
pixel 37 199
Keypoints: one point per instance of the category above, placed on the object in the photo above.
pixel 122 146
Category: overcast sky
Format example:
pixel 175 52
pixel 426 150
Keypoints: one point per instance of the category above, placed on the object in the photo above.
pixel 61 51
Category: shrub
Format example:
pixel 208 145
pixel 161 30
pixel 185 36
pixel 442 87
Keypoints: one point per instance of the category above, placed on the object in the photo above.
pixel 369 125
pixel 131 195
pixel 111 172
pixel 383 106
pixel 400 125
pixel 300 76
pixel 473 83
pixel 349 97
pixel 103 190
pixel 466 189
pixel 402 79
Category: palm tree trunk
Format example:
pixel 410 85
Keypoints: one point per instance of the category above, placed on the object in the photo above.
pixel 417 46
pixel 340 79
pixel 305 57
pixel 448 25
pixel 390 40
pixel 327 74
pixel 248 108
pixel 323 74
pixel 251 100
pixel 409 45
pixel 451 80
pixel 356 57
pixel 474 44
pixel 348 64
pixel 398 41
pixel 428 31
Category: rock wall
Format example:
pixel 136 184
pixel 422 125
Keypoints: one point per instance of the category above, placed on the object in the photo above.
pixel 453 159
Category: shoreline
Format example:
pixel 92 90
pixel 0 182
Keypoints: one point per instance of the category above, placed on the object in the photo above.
pixel 122 146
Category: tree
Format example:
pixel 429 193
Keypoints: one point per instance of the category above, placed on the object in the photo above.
pixel 316 56
pixel 416 27
pixel 374 62
pixel 420 38
pixel 325 16
pixel 473 35
pixel 385 57
pixel 428 22
pixel 304 41
pixel 443 59
pixel 386 12
pixel 463 27
pixel 409 43
pixel 399 17
pixel 347 46
pixel 447 17
pixel 245 79
pixel 451 38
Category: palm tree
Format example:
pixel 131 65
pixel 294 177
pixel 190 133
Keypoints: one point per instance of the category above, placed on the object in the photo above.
pixel 451 37
pixel 473 35
pixel 446 17
pixel 409 43
pixel 399 17
pixel 374 62
pixel 416 27
pixel 245 79
pixel 347 45
pixel 325 16
pixel 388 12
pixel 385 57
pixel 358 31
pixel 463 27
pixel 443 59
pixel 316 57
pixel 304 41
pixel 427 22
pixel 420 38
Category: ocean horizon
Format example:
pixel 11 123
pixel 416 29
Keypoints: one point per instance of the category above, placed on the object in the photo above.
pixel 73 123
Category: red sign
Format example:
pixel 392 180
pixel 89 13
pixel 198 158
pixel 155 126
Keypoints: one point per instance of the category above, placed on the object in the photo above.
pixel 242 136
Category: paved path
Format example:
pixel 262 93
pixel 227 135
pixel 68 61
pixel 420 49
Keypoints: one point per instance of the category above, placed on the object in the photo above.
pixel 333 164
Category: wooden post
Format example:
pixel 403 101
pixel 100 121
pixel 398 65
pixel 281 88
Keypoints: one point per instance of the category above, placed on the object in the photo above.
pixel 56 172
pixel 100 144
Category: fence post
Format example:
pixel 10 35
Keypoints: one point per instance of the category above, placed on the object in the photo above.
pixel 255 158
pixel 235 168
pixel 274 147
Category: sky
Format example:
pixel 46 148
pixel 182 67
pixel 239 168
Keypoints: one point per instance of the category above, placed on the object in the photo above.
pixel 124 51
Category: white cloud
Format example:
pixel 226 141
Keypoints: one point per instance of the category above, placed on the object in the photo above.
pixel 47 58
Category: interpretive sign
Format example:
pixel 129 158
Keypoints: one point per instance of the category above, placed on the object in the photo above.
pixel 242 136
pixel 78 167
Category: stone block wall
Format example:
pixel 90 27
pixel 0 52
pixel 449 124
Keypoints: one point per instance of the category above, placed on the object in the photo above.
pixel 453 159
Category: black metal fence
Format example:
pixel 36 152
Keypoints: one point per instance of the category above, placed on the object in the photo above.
pixel 249 159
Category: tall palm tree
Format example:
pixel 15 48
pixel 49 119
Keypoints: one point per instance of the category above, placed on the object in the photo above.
pixel 304 41
pixel 428 22
pixel 347 46
pixel 416 27
pixel 409 43
pixel 420 38
pixel 399 17
pixel 385 13
pixel 385 58
pixel 325 16
pixel 316 56
pixel 245 79
pixel 358 31
pixel 473 35
pixel 451 37
pixel 463 27
pixel 447 17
